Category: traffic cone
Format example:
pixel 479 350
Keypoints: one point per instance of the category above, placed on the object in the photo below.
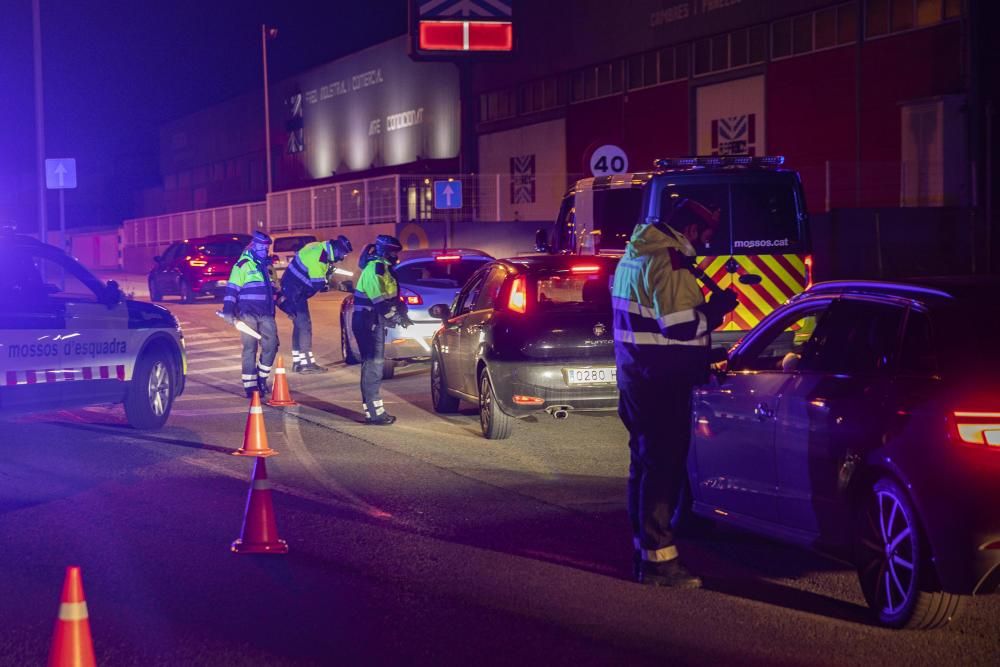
pixel 71 645
pixel 260 531
pixel 280 396
pixel 255 435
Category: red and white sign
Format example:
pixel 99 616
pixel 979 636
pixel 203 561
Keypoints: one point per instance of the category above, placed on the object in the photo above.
pixel 730 117
pixel 14 378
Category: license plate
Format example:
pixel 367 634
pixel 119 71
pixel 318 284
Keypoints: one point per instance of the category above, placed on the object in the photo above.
pixel 608 375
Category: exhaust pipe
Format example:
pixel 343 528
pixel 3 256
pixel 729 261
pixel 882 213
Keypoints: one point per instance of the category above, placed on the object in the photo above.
pixel 559 411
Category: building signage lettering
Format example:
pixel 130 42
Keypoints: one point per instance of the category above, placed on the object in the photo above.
pixel 684 10
pixel 372 77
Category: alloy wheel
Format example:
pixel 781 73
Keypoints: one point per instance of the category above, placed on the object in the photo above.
pixel 485 402
pixel 158 388
pixel 890 553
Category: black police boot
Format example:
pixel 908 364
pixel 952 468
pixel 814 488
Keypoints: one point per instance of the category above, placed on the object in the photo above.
pixel 262 388
pixel 669 574
pixel 310 368
pixel 249 391
pixel 384 419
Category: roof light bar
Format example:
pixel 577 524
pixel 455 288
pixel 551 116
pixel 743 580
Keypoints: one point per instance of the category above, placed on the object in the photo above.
pixel 720 161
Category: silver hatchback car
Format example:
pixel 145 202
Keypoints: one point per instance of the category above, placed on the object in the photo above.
pixel 425 277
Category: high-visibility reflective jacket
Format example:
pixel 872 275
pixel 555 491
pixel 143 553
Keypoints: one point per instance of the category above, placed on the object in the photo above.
pixel 310 266
pixel 659 309
pixel 377 289
pixel 250 290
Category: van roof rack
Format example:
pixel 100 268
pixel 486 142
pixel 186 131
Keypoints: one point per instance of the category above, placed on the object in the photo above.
pixel 720 161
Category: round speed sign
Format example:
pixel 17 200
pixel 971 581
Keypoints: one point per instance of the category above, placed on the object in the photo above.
pixel 608 159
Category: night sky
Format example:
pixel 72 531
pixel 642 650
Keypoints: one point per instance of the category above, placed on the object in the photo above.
pixel 114 70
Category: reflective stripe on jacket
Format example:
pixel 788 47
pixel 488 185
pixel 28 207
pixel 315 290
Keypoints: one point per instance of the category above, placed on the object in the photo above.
pixel 310 266
pixel 657 302
pixel 250 290
pixel 377 288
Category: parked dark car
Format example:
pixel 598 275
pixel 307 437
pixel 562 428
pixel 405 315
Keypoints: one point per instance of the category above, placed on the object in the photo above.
pixel 196 267
pixel 863 419
pixel 425 277
pixel 525 335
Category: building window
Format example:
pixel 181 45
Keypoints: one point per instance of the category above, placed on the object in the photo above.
pixel 600 81
pixel 883 17
pixel 815 31
pixel 496 105
pixel 702 57
pixel 668 58
pixel 541 95
pixel 730 50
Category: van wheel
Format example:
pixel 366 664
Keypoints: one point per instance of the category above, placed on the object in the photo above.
pixel 346 353
pixel 443 401
pixel 894 567
pixel 154 293
pixel 388 369
pixel 187 294
pixel 151 391
pixel 496 423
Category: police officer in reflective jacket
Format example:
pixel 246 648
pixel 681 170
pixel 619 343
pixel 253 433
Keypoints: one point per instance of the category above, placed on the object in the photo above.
pixel 376 306
pixel 306 275
pixel 662 343
pixel 250 299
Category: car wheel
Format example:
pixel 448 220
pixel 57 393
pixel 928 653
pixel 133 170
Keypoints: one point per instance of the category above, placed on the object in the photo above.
pixel 388 369
pixel 151 392
pixel 187 294
pixel 894 568
pixel 443 401
pixel 154 293
pixel 496 424
pixel 345 345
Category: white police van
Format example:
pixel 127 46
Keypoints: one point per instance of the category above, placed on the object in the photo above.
pixel 67 339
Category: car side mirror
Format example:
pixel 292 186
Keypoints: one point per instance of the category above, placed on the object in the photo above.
pixel 158 259
pixel 439 311
pixel 346 286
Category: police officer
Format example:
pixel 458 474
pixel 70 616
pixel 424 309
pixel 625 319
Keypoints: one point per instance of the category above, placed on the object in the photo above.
pixel 250 299
pixel 662 341
pixel 376 306
pixel 307 274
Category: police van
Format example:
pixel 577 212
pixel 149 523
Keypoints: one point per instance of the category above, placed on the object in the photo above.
pixel 67 339
pixel 761 249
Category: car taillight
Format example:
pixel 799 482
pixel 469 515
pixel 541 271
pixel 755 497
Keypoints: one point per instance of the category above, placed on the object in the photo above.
pixel 809 271
pixel 447 258
pixel 411 298
pixel 585 268
pixel 977 428
pixel 196 262
pixel 518 301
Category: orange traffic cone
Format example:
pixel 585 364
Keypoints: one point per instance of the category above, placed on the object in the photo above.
pixel 71 645
pixel 260 531
pixel 280 396
pixel 255 435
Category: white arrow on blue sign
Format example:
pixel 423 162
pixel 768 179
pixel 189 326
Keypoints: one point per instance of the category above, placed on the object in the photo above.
pixel 447 194
pixel 60 173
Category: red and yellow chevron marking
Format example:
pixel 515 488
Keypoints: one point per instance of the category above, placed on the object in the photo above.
pixel 781 277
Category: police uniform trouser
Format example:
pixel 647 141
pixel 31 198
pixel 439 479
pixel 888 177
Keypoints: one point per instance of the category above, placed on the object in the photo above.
pixel 370 334
pixel 298 308
pixel 252 367
pixel 655 407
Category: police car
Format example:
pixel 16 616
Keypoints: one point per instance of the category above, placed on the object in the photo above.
pixel 68 339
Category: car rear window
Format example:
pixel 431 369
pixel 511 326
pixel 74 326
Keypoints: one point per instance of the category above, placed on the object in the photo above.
pixel 568 291
pixel 221 249
pixel 292 243
pixel 432 272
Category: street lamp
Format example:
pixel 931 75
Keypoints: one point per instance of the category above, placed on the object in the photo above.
pixel 267 33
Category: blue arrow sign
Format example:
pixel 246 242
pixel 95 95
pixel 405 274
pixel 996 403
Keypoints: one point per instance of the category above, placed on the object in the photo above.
pixel 447 194
pixel 60 173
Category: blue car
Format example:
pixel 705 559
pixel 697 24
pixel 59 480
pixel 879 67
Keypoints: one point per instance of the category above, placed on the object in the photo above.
pixel 862 419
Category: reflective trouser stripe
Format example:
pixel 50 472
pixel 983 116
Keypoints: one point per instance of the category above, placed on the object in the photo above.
pixel 659 555
pixel 647 338
pixel 73 611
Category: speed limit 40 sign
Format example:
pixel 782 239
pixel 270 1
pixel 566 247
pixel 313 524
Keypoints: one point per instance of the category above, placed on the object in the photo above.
pixel 608 159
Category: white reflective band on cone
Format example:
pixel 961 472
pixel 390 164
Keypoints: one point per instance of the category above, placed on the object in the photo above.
pixel 659 555
pixel 256 411
pixel 73 611
pixel 279 371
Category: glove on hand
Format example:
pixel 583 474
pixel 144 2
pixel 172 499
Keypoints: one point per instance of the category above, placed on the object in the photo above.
pixel 229 318
pixel 721 303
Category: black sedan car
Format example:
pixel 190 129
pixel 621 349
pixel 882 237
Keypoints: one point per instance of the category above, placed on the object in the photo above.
pixel 525 335
pixel 863 419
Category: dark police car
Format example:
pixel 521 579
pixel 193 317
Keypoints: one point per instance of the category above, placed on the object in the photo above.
pixel 67 339
pixel 863 419
pixel 196 267
pixel 524 335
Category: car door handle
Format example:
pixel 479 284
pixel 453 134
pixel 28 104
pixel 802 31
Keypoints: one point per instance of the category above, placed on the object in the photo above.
pixel 763 412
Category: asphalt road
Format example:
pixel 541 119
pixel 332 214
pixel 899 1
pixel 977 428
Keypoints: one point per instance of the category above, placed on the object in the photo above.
pixel 420 543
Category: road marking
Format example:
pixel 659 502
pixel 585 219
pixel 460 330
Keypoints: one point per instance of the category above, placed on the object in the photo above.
pixel 219 348
pixel 191 327
pixel 297 446
pixel 217 369
pixel 207 412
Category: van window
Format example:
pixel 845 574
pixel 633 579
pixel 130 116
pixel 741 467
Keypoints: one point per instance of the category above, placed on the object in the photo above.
pixel 616 213
pixel 703 201
pixel 765 220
